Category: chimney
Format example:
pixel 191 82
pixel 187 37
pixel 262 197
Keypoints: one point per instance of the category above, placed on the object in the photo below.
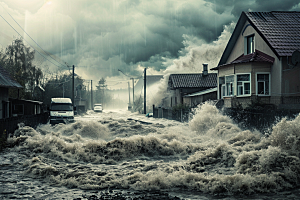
pixel 205 71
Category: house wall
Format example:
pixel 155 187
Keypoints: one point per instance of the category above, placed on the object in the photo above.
pixel 290 78
pixel 29 108
pixel 261 45
pixel 194 101
pixel 179 93
pixel 3 97
pixel 252 68
pixel 187 101
pixel 178 97
pixel 226 70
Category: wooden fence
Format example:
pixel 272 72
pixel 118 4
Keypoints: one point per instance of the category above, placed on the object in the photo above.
pixel 260 119
pixel 181 115
pixel 9 125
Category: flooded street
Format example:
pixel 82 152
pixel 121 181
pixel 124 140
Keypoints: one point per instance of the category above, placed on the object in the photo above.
pixel 128 154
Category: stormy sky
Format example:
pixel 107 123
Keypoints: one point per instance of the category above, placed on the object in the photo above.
pixel 101 36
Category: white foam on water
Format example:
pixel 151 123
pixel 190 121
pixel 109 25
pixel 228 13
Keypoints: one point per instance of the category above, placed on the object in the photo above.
pixel 211 154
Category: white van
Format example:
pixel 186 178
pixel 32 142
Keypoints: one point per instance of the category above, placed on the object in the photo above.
pixel 98 107
pixel 61 110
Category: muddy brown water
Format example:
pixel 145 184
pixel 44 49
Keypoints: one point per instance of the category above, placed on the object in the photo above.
pixel 115 155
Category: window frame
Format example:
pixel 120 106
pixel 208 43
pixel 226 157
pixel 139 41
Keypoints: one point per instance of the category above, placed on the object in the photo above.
pixel 243 85
pixel 223 90
pixel 232 86
pixel 256 83
pixel 246 44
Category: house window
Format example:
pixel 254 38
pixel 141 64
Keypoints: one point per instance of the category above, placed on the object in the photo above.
pixel 222 86
pixel 249 44
pixel 18 109
pixel 263 84
pixel 243 84
pixel 229 81
pixel 223 92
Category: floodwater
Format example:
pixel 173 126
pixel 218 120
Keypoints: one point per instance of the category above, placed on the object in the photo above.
pixel 116 152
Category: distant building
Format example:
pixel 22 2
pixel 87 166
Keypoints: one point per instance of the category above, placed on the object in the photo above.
pixel 6 82
pixel 81 105
pixel 261 63
pixel 189 89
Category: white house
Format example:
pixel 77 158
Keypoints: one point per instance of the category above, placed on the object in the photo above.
pixel 261 62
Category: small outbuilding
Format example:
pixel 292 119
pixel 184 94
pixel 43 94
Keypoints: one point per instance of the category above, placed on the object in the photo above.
pixel 25 107
pixel 6 82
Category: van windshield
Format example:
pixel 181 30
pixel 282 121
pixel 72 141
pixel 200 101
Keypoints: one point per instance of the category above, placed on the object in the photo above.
pixel 61 107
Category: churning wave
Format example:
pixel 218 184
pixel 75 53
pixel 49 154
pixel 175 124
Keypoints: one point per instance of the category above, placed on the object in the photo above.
pixel 211 154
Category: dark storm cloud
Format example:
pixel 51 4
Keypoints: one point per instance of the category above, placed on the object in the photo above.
pixel 237 6
pixel 144 32
pixel 100 37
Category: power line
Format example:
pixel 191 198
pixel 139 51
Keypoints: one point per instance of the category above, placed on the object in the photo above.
pixel 26 40
pixel 131 76
pixel 33 39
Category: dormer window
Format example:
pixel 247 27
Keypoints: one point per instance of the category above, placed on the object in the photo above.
pixel 249 44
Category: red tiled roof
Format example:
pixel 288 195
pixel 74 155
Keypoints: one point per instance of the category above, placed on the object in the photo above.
pixel 193 80
pixel 257 56
pixel 279 28
pixel 6 80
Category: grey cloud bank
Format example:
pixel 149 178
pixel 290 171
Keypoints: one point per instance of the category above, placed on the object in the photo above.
pixel 100 37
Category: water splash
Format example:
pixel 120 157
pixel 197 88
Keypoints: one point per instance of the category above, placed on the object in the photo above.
pixel 211 154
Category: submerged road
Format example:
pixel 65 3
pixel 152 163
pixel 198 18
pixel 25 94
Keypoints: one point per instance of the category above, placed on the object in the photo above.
pixel 118 154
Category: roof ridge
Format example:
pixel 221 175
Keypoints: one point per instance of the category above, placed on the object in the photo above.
pixel 275 11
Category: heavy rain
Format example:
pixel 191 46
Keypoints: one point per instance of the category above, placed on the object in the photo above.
pixel 136 99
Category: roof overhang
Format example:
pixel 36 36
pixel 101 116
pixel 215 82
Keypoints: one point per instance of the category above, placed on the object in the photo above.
pixel 202 92
pixel 257 57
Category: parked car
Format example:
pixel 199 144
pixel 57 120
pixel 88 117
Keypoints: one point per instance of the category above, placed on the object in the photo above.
pixel 98 107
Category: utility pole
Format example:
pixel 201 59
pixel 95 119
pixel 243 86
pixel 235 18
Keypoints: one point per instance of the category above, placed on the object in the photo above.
pixel 145 81
pixel 103 97
pixel 73 87
pixel 92 106
pixel 132 94
pixel 129 105
pixel 63 89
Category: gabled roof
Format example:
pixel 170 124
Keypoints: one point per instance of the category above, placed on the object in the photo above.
pixel 256 56
pixel 193 80
pixel 279 29
pixel 6 80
